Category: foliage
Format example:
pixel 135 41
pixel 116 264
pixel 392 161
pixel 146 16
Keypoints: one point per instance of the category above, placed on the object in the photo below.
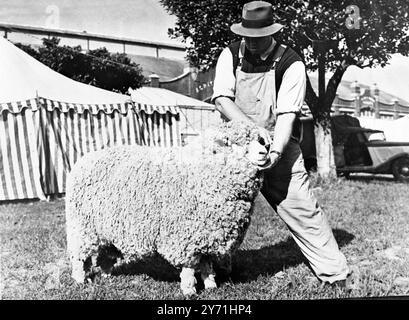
pixel 97 67
pixel 28 49
pixel 205 25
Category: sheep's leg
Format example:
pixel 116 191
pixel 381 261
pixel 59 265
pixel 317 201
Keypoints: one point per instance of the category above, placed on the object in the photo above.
pixel 83 268
pixel 208 275
pixel 74 246
pixel 79 248
pixel 78 273
pixel 188 281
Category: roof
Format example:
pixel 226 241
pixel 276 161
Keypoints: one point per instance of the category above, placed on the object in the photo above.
pixel 165 97
pixel 355 129
pixel 344 123
pixel 393 78
pixel 345 90
pixel 22 78
pixel 165 68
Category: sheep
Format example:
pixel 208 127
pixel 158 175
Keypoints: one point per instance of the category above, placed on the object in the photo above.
pixel 190 205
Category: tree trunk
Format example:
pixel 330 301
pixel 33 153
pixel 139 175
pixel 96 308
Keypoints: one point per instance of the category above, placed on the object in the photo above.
pixel 322 119
pixel 324 151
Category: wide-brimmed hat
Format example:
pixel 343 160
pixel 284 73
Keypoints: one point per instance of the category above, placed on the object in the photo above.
pixel 257 20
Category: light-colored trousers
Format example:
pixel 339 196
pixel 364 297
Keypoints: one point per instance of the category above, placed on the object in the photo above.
pixel 287 189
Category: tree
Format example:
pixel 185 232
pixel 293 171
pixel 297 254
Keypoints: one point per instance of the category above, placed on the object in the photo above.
pixel 98 67
pixel 381 29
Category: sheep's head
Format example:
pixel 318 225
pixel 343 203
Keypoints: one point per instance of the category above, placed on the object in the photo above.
pixel 231 140
pixel 225 148
pixel 233 137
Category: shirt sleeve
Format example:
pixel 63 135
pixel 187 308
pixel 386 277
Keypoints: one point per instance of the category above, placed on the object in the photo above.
pixel 291 94
pixel 224 81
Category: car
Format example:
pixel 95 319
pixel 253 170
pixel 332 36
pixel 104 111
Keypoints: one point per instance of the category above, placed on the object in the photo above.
pixel 358 149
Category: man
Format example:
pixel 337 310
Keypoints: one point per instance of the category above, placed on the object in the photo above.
pixel 260 80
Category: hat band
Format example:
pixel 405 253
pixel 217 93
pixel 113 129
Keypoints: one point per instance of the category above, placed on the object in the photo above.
pixel 255 24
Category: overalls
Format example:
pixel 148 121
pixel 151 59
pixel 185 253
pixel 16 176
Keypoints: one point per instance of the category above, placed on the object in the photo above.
pixel 286 185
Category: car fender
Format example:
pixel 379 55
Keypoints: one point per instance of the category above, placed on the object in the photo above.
pixel 387 165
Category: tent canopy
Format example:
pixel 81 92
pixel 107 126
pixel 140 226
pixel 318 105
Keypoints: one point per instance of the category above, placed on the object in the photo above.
pixel 195 115
pixel 165 97
pixel 22 78
pixel 48 121
pixel 395 130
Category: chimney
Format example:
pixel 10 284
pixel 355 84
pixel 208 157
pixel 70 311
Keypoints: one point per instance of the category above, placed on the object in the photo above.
pixel 357 103
pixel 154 80
pixel 375 89
pixel 356 89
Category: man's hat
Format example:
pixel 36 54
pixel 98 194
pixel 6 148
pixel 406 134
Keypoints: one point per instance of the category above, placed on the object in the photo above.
pixel 257 20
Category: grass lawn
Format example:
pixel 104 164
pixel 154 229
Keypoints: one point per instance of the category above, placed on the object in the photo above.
pixel 370 219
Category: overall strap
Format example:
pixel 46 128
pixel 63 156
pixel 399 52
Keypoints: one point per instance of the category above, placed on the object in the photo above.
pixel 238 59
pixel 278 55
pixel 242 47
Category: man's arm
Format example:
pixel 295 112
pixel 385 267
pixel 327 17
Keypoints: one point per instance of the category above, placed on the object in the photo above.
pixel 289 103
pixel 229 109
pixel 224 88
pixel 282 131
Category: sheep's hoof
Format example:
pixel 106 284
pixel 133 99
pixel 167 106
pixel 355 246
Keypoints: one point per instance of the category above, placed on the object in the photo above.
pixel 78 276
pixel 189 292
pixel 210 283
pixel 188 281
pixel 188 288
pixel 79 280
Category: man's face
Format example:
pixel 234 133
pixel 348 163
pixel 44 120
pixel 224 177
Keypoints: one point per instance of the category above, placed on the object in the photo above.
pixel 257 45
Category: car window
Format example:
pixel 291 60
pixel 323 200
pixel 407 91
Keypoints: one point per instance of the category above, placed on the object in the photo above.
pixel 376 136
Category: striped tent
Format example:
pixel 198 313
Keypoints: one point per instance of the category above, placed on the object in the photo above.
pixel 195 115
pixel 41 137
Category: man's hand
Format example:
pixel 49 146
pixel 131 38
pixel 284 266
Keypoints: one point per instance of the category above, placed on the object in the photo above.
pixel 274 158
pixel 266 136
pixel 257 154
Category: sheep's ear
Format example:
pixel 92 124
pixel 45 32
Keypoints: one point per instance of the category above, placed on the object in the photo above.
pixel 219 142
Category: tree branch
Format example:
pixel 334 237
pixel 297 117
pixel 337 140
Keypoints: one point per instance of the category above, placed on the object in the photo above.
pixel 333 84
pixel 311 98
pixel 349 61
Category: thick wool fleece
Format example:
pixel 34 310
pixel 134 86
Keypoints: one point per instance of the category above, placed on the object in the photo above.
pixel 182 203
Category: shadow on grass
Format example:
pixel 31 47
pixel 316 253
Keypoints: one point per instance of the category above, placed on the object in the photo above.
pixel 247 265
pixel 50 198
pixel 155 267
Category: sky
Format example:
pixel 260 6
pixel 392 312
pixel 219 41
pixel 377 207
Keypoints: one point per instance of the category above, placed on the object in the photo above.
pixel 137 19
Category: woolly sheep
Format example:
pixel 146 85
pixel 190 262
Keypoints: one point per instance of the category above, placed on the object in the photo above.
pixel 191 205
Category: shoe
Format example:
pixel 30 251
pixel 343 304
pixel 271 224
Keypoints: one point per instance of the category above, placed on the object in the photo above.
pixel 347 284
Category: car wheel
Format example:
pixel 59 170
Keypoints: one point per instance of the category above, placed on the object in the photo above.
pixel 400 169
pixel 343 174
